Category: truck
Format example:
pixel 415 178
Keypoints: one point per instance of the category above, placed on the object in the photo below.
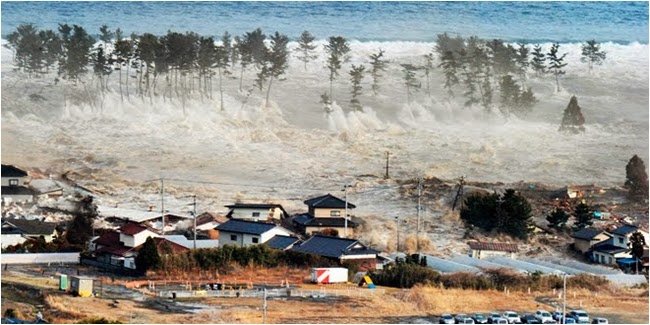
pixel 326 275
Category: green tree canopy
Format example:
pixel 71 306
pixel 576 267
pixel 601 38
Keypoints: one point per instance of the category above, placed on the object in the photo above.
pixel 148 257
pixel 583 216
pixel 509 213
pixel 636 179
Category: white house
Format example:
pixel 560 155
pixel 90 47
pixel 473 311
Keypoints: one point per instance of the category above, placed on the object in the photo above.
pixel 482 250
pixel 326 213
pixel 244 233
pixel 256 212
pixel 616 247
pixel 16 231
pixel 13 185
pixel 133 234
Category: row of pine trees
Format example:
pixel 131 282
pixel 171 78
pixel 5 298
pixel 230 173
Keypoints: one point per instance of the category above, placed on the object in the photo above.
pixel 180 66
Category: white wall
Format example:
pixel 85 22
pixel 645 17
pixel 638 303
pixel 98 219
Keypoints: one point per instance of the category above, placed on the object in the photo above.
pixel 264 214
pixel 21 180
pixel 137 239
pixel 244 240
pixel 626 239
pixel 275 231
pixel 11 239
pixel 480 254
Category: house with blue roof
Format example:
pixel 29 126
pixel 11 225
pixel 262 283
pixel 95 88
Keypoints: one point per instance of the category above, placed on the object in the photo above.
pixel 14 180
pixel 282 242
pixel 242 233
pixel 617 247
pixel 326 214
pixel 341 250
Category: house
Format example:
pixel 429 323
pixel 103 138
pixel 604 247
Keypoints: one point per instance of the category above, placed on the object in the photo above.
pixel 482 250
pixel 144 217
pixel 326 214
pixel 189 243
pixel 606 252
pixel 257 212
pixel 585 239
pixel 14 180
pixel 17 231
pixel 244 233
pixel 209 220
pixel 623 233
pixel 133 234
pixel 340 249
pixel 282 242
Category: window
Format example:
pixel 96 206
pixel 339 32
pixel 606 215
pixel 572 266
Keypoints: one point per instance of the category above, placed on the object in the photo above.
pixel 13 182
pixel 620 240
pixel 610 260
pixel 335 213
pixel 233 237
pixel 256 240
pixel 256 214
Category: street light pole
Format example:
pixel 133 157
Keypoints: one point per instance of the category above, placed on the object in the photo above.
pixel 564 301
pixel 162 205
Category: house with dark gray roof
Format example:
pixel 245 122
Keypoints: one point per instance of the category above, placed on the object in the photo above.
pixel 618 246
pixel 340 249
pixel 13 185
pixel 584 239
pixel 16 231
pixel 244 233
pixel 282 242
pixel 326 214
pixel 257 212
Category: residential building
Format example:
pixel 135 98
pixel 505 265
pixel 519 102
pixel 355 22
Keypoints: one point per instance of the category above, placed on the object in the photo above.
pixel 209 220
pixel 14 180
pixel 189 243
pixel 257 212
pixel 244 233
pixel 340 249
pixel 585 239
pixel 326 214
pixel 483 250
pixel 17 231
pixel 623 233
pixel 617 247
pixel 282 242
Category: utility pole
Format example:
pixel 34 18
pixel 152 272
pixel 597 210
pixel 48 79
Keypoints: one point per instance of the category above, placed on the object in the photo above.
pixel 417 234
pixel 564 301
pixel 193 196
pixel 397 223
pixel 459 194
pixel 345 189
pixel 387 165
pixel 162 205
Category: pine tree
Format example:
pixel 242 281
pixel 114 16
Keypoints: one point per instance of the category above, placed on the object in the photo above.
pixel 207 59
pixel 148 257
pixel 637 245
pixel 411 83
pixel 572 121
pixel 557 219
pixel 356 76
pixel 509 213
pixel 377 66
pixel 592 54
pixel 277 59
pixel 306 48
pixel 428 68
pixel 509 93
pixel 28 47
pixel 450 67
pixel 636 179
pixel 522 60
pixel 538 61
pixel 337 49
pixel 223 56
pixel 123 50
pixel 556 63
pixel 583 216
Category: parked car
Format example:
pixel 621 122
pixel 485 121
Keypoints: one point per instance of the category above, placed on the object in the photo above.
pixel 446 319
pixel 493 316
pixel 466 320
pixel 499 320
pixel 529 319
pixel 599 320
pixel 580 316
pixel 544 317
pixel 479 319
pixel 568 320
pixel 557 315
pixel 512 317
pixel 459 318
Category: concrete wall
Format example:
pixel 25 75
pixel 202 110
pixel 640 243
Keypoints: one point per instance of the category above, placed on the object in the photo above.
pixel 40 258
pixel 264 214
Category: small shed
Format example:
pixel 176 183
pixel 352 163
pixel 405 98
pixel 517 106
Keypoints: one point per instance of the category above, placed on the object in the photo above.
pixel 81 286
pixel 484 249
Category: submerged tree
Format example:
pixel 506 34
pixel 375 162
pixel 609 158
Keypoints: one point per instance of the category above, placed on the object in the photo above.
pixel 377 65
pixel 276 60
pixel 356 75
pixel 636 179
pixel 556 63
pixel 306 48
pixel 592 54
pixel 337 49
pixel 148 257
pixel 538 61
pixel 450 67
pixel 411 83
pixel 522 60
pixel 572 121
pixel 428 68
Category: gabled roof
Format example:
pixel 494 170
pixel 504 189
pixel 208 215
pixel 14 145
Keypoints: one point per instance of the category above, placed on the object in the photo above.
pixel 607 246
pixel 31 227
pixel 207 217
pixel 282 242
pixel 245 227
pixel 12 171
pixel 176 248
pixel 253 205
pixel 16 190
pixel 110 238
pixel 587 233
pixel 502 247
pixel 189 243
pixel 132 228
pixel 625 230
pixel 333 247
pixel 328 201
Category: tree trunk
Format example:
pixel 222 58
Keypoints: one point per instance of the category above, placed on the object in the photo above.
pixel 221 90
pixel 119 81
pixel 241 77
pixel 268 92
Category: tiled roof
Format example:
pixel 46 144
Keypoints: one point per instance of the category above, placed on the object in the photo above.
pixel 587 233
pixel 245 227
pixel 31 227
pixel 12 171
pixel 302 218
pixel 329 222
pixel 625 229
pixel 110 238
pixel 328 201
pixel 610 249
pixel 333 247
pixel 503 247
pixel 133 228
pixel 281 242
pixel 253 205
pixel 176 248
pixel 16 190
